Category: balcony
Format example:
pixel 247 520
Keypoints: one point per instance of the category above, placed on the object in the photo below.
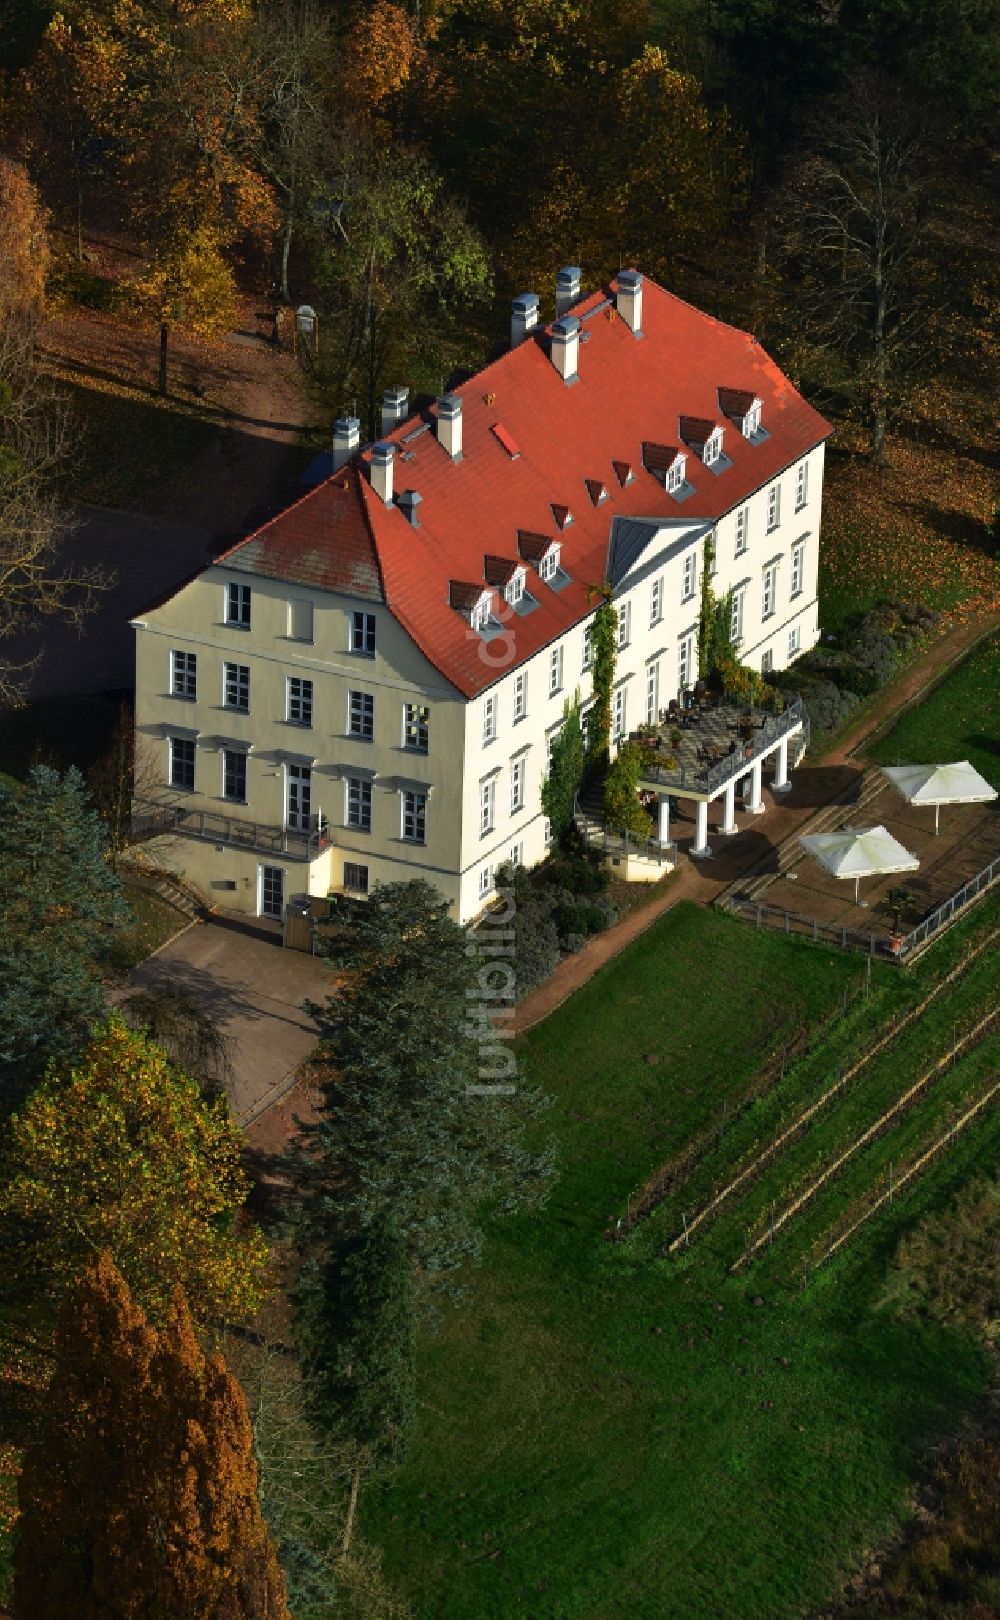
pixel 715 740
pixel 178 821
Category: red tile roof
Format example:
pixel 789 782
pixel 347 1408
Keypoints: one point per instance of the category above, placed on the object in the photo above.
pixel 517 475
pixel 735 402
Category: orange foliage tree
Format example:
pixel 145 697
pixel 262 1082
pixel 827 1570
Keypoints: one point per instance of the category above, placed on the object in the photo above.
pixel 138 1496
pixel 24 251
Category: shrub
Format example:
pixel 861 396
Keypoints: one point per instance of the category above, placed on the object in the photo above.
pixel 573 943
pixel 536 936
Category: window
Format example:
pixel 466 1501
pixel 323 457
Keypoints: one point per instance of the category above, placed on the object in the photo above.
pixel 361 715
pixel 300 619
pixel 489 718
pixel 736 623
pixel 234 775
pixel 359 803
pixel 547 831
pixel 652 692
pixel 770 588
pixel 487 806
pixel 751 422
pixel 624 625
pixel 588 647
pixel 713 448
pixel 675 474
pixel 794 640
pixel 236 687
pixel 355 878
pixel 298 805
pixel 620 708
pixel 690 576
pixel 548 566
pixel 514 589
pixel 585 718
pixel 798 569
pixel 363 634
pixel 742 530
pixel 485 881
pixel 801 485
pixel 416 727
pixel 516 855
pixel 656 602
pixel 773 507
pixel 182 763
pixel 766 662
pixel 481 614
pixel 184 674
pixel 300 701
pixel 684 663
pixel 238 605
pixel 555 671
pixel 414 816
pixel 518 773
pixel 520 696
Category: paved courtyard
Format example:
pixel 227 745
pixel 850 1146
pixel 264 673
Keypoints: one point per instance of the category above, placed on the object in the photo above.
pixel 254 990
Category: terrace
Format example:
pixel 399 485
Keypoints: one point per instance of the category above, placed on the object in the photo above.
pixel 157 820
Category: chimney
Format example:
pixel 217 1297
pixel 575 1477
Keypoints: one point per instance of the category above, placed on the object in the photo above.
pixel 566 347
pixel 408 503
pixel 394 406
pixel 449 425
pixel 523 316
pixel 567 288
pixel 346 438
pixel 381 471
pixel 630 300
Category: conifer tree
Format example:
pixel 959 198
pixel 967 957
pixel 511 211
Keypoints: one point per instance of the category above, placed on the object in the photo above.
pixel 59 908
pixel 138 1495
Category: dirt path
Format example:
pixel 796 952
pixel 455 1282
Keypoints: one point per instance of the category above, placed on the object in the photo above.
pixel 813 786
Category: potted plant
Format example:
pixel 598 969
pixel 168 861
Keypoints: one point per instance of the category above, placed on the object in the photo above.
pixel 898 898
pixel 676 737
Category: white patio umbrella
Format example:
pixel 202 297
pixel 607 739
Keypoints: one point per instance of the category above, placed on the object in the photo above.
pixel 857 852
pixel 959 783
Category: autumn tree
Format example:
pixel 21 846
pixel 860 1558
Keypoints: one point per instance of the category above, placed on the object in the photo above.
pixel 24 244
pixel 60 907
pixel 119 1151
pixel 406 1123
pixel 138 1495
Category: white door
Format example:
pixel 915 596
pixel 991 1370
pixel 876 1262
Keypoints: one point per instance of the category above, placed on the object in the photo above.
pixel 272 892
pixel 299 798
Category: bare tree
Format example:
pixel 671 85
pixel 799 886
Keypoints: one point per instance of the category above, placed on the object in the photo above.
pixel 37 440
pixel 855 242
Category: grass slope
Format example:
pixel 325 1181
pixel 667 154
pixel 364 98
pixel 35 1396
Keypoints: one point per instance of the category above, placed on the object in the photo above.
pixel 960 719
pixel 603 1434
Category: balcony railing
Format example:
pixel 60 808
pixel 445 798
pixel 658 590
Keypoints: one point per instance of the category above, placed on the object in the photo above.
pixel 157 820
pixel 706 778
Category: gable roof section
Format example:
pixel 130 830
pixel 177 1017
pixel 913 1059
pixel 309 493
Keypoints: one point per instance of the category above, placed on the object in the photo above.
pixel 324 540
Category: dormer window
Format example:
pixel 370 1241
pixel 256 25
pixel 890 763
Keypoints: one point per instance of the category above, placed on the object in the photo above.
pixel 514 589
pixel 548 565
pixel 481 614
pixel 713 447
pixel 751 421
pixel 596 490
pixel 675 474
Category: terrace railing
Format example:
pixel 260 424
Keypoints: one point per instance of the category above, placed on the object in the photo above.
pixel 706 778
pixel 792 922
pixel 155 820
pixel 597 836
pixel 945 913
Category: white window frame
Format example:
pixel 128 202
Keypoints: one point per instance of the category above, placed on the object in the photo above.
pixel 689 580
pixel 514 589
pixel 302 701
pixel 769 595
pixel 712 448
pixel 235 683
pixel 362 885
pixel 619 713
pixel 304 605
pixel 358 804
pixel 742 530
pixel 555 670
pixel 416 725
pixel 624 625
pixel 485 881
pixel 675 474
pixel 794 640
pixel 227 755
pixel 766 661
pixel 652 691
pixel 520 696
pixel 656 601
pixel 773 507
pixel 302 774
pixel 363 640
pixel 516 857
pixel 361 708
pixel 684 656
pixel 518 782
pixel 173 744
pixel 796 581
pixel 489 719
pixel 479 618
pixel 736 622
pixel 238 605
pixel 487 806
pixel 751 422
pixel 413 808
pixel 548 564
pixel 588 648
pixel 801 485
pixel 183 674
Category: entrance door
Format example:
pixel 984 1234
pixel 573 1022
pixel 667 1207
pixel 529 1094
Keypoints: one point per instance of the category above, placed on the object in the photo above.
pixel 299 798
pixel 272 892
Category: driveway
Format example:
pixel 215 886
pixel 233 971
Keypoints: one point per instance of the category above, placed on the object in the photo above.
pixel 254 990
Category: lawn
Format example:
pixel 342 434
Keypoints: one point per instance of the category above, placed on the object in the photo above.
pixel 960 719
pixel 155 923
pixel 606 1434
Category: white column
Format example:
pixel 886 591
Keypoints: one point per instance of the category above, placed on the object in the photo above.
pixel 781 784
pixel 701 846
pixel 728 826
pixel 756 805
pixel 663 830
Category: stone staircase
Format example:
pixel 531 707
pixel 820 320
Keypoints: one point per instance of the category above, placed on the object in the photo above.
pixel 172 890
pixel 836 814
